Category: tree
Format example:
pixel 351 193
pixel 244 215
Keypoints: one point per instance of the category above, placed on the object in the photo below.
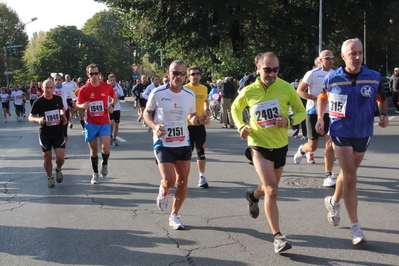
pixel 68 50
pixel 106 28
pixel 11 34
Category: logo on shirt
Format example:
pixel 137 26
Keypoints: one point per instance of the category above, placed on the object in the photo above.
pixel 102 94
pixel 366 91
pixel 166 99
pixel 92 96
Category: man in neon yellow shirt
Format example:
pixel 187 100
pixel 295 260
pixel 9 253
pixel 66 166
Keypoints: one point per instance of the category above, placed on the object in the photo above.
pixel 198 132
pixel 268 99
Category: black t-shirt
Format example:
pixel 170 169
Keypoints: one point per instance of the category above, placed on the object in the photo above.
pixel 50 109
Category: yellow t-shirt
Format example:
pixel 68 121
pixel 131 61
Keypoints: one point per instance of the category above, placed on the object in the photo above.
pixel 201 96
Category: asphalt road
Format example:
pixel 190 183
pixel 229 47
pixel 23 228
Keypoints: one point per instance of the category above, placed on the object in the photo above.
pixel 117 222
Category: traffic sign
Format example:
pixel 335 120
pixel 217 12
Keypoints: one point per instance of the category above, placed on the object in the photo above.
pixel 8 73
pixel 135 76
pixel 135 68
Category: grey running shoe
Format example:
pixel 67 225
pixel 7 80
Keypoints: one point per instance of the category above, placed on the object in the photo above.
pixel 59 175
pixel 104 171
pixel 333 213
pixel 281 244
pixel 175 223
pixel 162 200
pixel 50 182
pixel 252 205
pixel 202 182
pixel 357 235
pixel 298 155
pixel 115 143
pixel 94 180
pixel 329 181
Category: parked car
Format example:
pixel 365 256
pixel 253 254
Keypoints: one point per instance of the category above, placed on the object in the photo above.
pixel 385 84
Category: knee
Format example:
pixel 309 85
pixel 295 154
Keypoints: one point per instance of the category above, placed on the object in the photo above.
pixel 271 191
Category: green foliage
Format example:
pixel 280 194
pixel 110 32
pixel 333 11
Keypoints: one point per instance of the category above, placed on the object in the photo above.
pixel 11 33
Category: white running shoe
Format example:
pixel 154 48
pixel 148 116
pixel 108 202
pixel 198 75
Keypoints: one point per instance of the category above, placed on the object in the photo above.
pixel 357 235
pixel 333 212
pixel 104 171
pixel 310 157
pixel 175 223
pixel 202 182
pixel 94 180
pixel 329 181
pixel 298 155
pixel 162 199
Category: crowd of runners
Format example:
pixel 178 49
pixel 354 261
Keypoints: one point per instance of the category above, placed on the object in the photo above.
pixel 177 109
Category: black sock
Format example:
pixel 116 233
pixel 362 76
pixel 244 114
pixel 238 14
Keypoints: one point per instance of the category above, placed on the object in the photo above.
pixel 276 234
pixel 94 164
pixel 302 152
pixel 82 123
pixel 105 158
pixel 252 197
pixel 327 174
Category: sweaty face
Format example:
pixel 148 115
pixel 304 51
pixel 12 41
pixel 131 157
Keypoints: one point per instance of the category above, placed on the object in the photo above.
pixel 177 80
pixel 112 81
pixel 268 77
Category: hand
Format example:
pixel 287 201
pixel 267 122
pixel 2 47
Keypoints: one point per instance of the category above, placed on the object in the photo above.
pixel 42 120
pixel 159 130
pixel 110 109
pixel 86 106
pixel 281 121
pixel 204 119
pixel 384 121
pixel 244 132
pixel 64 120
pixel 320 127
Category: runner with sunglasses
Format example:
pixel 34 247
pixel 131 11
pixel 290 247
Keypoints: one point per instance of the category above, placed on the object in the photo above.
pixel 269 99
pixel 309 89
pixel 93 97
pixel 173 105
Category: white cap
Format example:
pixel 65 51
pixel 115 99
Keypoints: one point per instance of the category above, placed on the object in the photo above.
pixel 396 69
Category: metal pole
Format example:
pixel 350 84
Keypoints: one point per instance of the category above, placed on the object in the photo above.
pixel 321 26
pixel 364 41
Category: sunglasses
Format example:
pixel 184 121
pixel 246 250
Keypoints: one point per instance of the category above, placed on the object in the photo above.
pixel 328 57
pixel 57 79
pixel 195 74
pixel 270 70
pixel 179 73
pixel 95 73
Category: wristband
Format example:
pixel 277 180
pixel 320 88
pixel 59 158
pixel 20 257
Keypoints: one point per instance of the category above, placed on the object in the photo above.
pixel 198 121
pixel 384 114
pixel 113 106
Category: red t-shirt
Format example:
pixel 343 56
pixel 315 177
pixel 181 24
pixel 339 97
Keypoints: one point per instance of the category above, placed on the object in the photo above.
pixel 97 97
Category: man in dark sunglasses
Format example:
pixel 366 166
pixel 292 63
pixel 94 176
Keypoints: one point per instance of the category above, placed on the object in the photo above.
pixel 93 97
pixel 198 133
pixel 173 105
pixel 269 99
pixel 309 89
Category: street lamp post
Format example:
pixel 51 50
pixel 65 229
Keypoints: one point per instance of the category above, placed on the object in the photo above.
pixel 7 72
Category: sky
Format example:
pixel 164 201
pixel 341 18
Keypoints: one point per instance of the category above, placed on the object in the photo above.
pixel 53 13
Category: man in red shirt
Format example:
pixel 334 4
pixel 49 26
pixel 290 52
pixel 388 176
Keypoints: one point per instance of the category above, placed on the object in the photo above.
pixel 93 98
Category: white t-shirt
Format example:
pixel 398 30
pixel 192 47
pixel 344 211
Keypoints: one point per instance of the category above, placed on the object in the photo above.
pixel 148 90
pixel 5 97
pixel 71 85
pixel 65 92
pixel 119 91
pixel 315 79
pixel 18 97
pixel 171 110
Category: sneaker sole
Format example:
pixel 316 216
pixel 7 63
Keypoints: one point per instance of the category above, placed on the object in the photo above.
pixel 204 185
pixel 250 213
pixel 285 248
pixel 361 241
pixel 180 227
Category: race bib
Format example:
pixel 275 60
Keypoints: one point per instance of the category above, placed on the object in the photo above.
pixel 33 96
pixel 96 108
pixel 264 113
pixel 52 117
pixel 337 104
pixel 174 132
